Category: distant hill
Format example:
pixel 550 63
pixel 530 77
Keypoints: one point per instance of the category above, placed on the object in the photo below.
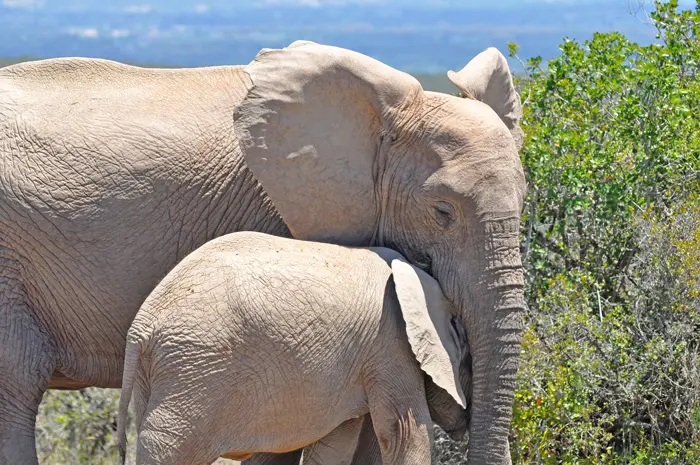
pixel 436 82
pixel 12 61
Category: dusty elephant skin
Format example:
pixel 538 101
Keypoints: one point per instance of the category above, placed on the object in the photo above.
pixel 256 343
pixel 110 174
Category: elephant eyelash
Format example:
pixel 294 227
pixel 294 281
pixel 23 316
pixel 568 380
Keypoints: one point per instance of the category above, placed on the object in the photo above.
pixel 386 135
pixel 444 213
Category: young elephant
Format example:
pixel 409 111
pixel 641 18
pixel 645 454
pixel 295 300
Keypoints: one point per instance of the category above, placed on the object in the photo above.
pixel 256 343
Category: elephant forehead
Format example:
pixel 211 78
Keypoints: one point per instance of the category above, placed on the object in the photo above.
pixel 465 120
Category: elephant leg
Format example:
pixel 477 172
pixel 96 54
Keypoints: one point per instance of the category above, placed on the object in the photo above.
pixel 162 438
pixel 400 418
pixel 367 451
pixel 288 458
pixel 336 448
pixel 27 360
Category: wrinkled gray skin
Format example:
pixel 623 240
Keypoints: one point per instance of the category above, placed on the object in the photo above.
pixel 257 343
pixel 110 175
pixel 347 445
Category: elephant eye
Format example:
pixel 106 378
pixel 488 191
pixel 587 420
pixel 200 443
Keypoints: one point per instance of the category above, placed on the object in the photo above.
pixel 444 214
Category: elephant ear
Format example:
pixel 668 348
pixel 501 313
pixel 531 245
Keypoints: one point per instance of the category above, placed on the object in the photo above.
pixel 429 325
pixel 487 78
pixel 310 129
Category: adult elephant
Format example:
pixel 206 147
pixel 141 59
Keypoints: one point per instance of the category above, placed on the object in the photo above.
pixel 110 174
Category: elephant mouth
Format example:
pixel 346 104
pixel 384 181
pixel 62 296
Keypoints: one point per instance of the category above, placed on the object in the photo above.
pixel 423 261
pixel 460 428
pixel 457 434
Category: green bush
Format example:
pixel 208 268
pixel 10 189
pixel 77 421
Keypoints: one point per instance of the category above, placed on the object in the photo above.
pixel 611 247
pixel 78 427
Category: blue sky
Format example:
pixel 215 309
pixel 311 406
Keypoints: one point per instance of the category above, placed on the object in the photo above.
pixel 415 35
pixel 73 4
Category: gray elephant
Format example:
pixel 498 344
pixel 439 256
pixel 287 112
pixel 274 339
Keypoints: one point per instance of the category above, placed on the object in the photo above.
pixel 111 174
pixel 257 343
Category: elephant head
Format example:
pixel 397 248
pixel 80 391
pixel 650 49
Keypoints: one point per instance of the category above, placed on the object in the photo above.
pixel 440 345
pixel 354 152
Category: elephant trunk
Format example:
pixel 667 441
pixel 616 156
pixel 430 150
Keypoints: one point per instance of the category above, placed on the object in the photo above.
pixel 493 315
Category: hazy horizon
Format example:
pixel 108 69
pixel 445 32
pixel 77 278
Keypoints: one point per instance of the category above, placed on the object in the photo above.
pixel 419 36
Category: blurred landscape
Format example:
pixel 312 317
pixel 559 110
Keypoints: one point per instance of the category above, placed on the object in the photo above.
pixel 423 37
pixel 417 36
